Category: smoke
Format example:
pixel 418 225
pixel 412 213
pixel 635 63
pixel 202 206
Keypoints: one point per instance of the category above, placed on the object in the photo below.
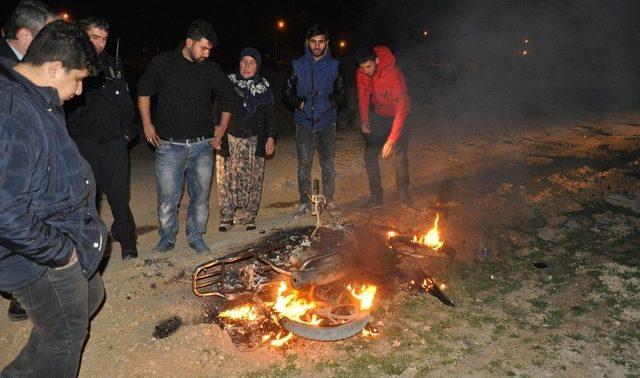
pixel 505 59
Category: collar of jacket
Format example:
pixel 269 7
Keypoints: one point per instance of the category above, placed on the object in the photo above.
pixel 48 95
pixel 309 57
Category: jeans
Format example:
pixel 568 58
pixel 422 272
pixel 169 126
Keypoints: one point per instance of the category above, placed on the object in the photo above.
pixel 173 161
pixel 374 141
pixel 59 305
pixel 325 140
pixel 110 165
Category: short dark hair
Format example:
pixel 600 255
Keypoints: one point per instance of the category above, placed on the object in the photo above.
pixel 202 29
pixel 30 15
pixel 365 54
pixel 316 29
pixel 94 22
pixel 61 41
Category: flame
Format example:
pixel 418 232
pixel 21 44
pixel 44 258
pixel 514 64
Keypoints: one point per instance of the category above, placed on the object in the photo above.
pixel 432 238
pixel 279 340
pixel 293 306
pixel 365 295
pixel 246 312
pixel 391 234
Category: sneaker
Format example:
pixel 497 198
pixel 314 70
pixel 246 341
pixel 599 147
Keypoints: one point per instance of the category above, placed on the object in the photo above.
pixel 372 204
pixel 200 246
pixel 164 246
pixel 405 198
pixel 303 210
pixel 16 312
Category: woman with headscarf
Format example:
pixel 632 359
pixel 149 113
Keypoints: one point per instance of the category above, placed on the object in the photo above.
pixel 249 139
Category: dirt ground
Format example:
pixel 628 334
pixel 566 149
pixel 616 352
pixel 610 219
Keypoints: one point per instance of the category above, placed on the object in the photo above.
pixel 559 190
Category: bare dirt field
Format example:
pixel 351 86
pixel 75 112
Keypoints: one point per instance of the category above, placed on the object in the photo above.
pixel 562 190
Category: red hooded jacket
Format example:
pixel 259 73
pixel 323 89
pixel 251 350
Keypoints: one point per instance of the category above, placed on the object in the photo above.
pixel 388 91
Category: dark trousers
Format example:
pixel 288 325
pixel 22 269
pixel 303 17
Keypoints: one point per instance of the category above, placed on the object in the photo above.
pixel 110 165
pixel 59 306
pixel 374 141
pixel 324 140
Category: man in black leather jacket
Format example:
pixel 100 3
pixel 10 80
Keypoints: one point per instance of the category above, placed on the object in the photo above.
pixel 101 123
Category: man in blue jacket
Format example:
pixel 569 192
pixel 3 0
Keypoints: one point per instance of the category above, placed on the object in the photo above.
pixel 51 237
pixel 314 90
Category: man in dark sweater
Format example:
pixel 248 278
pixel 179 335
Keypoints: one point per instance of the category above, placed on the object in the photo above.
pixel 23 24
pixel 101 123
pixel 183 131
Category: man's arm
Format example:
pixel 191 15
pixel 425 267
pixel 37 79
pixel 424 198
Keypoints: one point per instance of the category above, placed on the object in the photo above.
pixel 149 85
pixel 364 98
pixel 225 94
pixel 144 106
pixel 400 93
pixel 20 230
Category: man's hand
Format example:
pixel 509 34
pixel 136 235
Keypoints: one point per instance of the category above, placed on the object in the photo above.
pixel 366 129
pixel 387 149
pixel 217 137
pixel 151 136
pixel 270 146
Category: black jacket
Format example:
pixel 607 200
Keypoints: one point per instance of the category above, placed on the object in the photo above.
pixel 47 190
pixel 261 123
pixel 104 111
pixel 6 52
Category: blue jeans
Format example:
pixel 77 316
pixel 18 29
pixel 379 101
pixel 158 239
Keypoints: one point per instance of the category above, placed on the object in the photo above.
pixel 59 305
pixel 173 162
pixel 325 140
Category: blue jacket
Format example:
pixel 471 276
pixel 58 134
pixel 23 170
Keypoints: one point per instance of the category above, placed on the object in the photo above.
pixel 47 190
pixel 320 85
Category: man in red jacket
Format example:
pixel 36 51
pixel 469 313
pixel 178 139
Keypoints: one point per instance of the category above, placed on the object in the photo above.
pixel 382 83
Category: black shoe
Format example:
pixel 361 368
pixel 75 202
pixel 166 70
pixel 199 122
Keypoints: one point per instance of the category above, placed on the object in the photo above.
pixel 16 312
pixel 372 204
pixel 128 254
pixel 405 198
pixel 250 227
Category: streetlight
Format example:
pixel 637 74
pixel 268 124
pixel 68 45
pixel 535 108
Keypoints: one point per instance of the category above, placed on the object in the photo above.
pixel 425 33
pixel 342 44
pixel 65 16
pixel 280 25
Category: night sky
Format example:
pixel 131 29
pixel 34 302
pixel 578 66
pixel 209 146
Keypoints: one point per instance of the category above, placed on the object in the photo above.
pixel 575 44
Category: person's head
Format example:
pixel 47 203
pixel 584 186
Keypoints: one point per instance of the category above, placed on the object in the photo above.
pixel 25 22
pixel 250 60
pixel 317 40
pixel 97 28
pixel 367 60
pixel 200 40
pixel 60 56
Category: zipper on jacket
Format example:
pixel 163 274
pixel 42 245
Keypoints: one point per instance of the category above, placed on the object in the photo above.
pixel 313 99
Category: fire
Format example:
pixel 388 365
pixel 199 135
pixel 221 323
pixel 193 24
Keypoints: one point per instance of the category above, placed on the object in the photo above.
pixel 279 340
pixel 365 296
pixel 293 306
pixel 246 312
pixel 432 238
pixel 391 234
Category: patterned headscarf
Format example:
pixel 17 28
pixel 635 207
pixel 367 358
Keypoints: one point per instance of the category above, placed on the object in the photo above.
pixel 255 90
